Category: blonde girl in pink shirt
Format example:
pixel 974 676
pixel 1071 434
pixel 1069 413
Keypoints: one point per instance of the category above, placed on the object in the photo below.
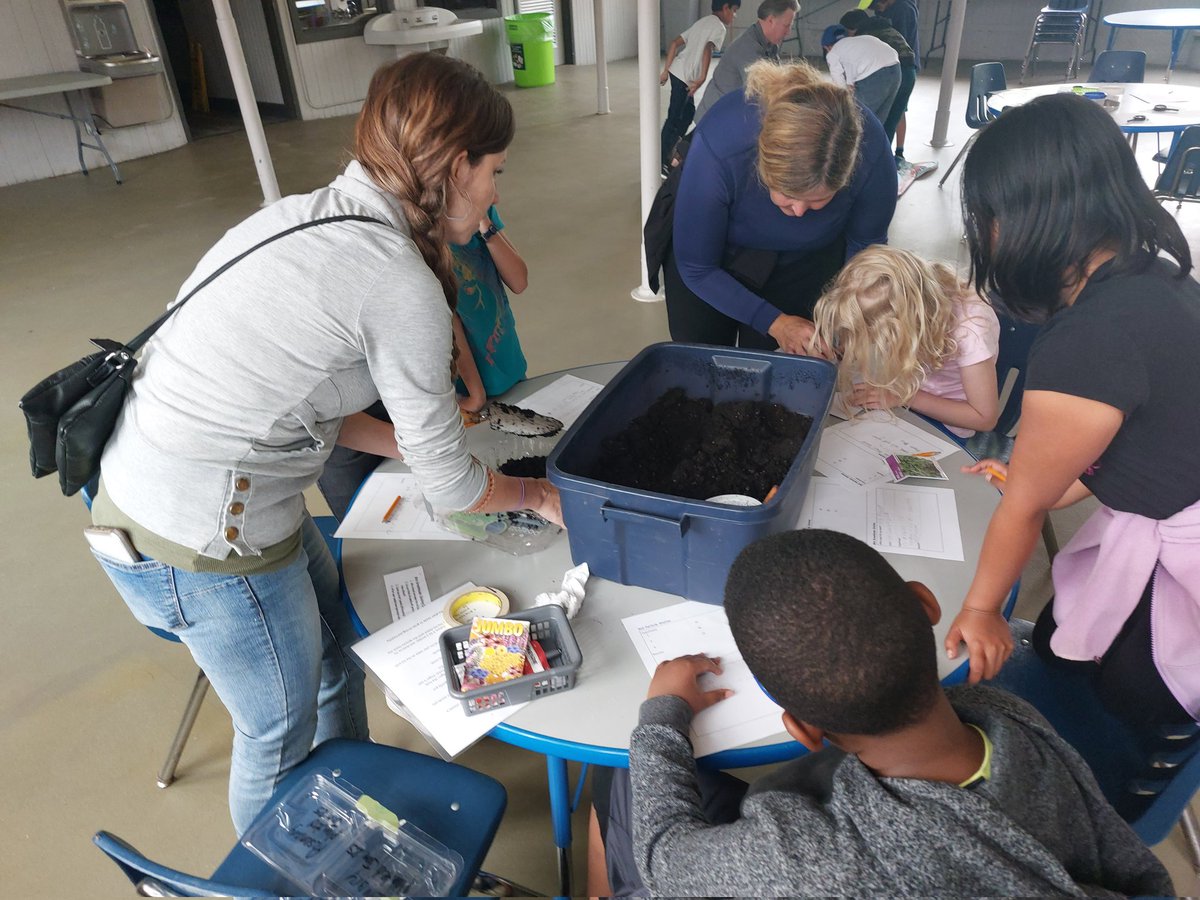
pixel 907 332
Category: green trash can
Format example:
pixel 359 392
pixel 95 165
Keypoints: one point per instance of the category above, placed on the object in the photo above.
pixel 531 41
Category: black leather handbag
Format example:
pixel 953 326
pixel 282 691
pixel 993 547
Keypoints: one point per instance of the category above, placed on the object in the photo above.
pixel 71 415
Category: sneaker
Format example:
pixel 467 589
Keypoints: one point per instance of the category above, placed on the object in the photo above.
pixel 666 170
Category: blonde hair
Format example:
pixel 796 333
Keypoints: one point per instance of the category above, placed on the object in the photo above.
pixel 811 128
pixel 890 317
pixel 420 113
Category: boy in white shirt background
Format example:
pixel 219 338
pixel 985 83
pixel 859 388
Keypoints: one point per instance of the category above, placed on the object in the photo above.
pixel 688 70
pixel 865 63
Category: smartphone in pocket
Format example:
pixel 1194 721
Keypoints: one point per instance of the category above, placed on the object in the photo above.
pixel 112 542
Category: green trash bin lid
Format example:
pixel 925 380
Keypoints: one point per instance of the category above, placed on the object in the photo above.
pixel 530 26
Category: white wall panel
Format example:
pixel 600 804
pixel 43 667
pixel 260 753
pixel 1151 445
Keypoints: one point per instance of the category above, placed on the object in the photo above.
pixel 620 30
pixel 35 41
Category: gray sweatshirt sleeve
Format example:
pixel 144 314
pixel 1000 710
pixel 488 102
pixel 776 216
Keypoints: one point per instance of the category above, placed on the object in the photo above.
pixel 406 332
pixel 678 852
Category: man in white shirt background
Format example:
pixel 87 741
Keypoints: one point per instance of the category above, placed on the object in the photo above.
pixel 688 59
pixel 865 63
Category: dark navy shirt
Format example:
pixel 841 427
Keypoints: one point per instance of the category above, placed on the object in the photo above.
pixel 903 16
pixel 722 204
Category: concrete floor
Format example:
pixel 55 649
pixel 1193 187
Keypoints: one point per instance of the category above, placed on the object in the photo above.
pixel 91 698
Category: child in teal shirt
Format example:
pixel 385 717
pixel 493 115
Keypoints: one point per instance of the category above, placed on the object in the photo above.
pixel 484 267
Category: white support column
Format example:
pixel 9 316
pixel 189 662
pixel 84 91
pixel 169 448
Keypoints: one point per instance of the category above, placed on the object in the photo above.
pixel 602 107
pixel 232 45
pixel 650 141
pixel 941 121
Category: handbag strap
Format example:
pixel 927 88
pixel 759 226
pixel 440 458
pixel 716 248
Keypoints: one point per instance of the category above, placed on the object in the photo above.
pixel 136 344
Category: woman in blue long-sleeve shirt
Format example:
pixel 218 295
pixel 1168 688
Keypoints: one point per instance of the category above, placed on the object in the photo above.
pixel 782 183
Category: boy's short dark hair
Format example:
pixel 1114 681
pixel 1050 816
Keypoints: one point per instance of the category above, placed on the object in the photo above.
pixel 855 19
pixel 718 5
pixel 777 7
pixel 832 632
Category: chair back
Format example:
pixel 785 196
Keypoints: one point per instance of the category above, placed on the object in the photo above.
pixel 1180 178
pixel 1016 340
pixel 1112 749
pixel 1075 6
pixel 986 78
pixel 451 803
pixel 151 879
pixel 1119 65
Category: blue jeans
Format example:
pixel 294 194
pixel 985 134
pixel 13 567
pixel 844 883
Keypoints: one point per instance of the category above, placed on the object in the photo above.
pixel 272 647
pixel 680 112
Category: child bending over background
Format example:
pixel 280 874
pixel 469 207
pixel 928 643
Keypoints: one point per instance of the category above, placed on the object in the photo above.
pixel 907 332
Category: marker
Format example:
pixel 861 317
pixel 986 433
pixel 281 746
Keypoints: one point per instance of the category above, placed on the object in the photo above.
pixel 995 473
pixel 387 516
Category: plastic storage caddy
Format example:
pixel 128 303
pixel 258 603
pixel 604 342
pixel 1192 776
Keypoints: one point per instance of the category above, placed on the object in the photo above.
pixel 548 626
pixel 331 840
pixel 668 543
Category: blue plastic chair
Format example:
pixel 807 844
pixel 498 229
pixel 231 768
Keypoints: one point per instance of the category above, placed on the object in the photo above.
pixel 451 803
pixel 1115 66
pixel 1112 749
pixel 986 78
pixel 1180 180
pixel 327 525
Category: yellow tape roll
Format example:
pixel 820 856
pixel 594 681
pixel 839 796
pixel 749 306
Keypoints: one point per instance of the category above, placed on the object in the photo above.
pixel 484 601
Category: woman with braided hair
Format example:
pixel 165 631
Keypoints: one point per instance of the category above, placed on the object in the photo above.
pixel 242 395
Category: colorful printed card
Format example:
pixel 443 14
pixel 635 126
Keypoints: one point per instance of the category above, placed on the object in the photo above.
pixel 496 652
pixel 903 467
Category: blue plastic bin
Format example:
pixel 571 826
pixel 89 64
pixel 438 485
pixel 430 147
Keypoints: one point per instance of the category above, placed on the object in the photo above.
pixel 668 543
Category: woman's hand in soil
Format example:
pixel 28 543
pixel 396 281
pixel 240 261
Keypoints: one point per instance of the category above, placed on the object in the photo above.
pixel 792 333
pixel 869 397
pixel 681 678
pixel 547 502
pixel 988 639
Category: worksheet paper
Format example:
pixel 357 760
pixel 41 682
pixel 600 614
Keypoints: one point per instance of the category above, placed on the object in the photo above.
pixel 853 452
pixel 692 627
pixel 564 398
pixel 893 518
pixel 406 659
pixel 409 522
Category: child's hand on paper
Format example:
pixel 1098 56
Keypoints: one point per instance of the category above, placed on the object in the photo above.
pixel 680 678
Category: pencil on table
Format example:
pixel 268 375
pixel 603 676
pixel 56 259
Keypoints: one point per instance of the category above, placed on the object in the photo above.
pixel 387 516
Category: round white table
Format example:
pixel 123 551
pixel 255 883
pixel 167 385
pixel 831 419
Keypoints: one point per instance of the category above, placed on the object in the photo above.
pixel 1176 21
pixel 592 722
pixel 1124 102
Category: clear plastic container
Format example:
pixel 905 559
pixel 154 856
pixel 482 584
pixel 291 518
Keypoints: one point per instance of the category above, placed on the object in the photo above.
pixel 324 837
pixel 519 532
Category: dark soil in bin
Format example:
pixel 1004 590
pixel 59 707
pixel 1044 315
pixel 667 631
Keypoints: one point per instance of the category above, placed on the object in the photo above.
pixel 524 467
pixel 697 449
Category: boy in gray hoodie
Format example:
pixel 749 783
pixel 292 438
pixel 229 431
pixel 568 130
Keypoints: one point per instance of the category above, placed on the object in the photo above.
pixel 921 790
